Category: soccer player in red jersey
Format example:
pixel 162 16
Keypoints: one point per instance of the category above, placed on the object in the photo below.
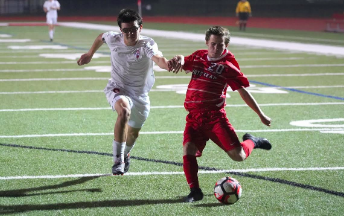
pixel 213 70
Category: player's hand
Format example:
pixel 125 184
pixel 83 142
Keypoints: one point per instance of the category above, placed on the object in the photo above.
pixel 176 64
pixel 170 65
pixel 265 119
pixel 84 59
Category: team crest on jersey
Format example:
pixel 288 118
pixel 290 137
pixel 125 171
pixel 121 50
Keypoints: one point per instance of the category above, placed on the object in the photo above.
pixel 137 54
pixel 116 90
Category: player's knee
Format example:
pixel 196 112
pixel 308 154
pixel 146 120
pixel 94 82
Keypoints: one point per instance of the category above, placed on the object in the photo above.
pixel 189 149
pixel 237 154
pixel 123 114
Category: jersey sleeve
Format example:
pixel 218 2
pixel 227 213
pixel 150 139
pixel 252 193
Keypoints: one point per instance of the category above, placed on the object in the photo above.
pixel 234 77
pixel 107 36
pixel 188 62
pixel 151 49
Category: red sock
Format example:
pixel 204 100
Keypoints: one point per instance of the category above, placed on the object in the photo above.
pixel 190 167
pixel 247 145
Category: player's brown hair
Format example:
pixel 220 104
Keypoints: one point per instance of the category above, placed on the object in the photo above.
pixel 219 31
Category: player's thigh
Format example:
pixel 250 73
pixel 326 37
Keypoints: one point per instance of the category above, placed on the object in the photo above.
pixel 224 135
pixel 193 137
pixel 50 20
pixel 139 113
pixel 54 20
pixel 113 93
pixel 122 105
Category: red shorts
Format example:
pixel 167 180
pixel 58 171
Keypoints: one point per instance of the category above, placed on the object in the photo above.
pixel 213 125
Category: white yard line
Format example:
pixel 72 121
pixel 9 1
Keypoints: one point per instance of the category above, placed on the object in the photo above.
pixel 247 66
pixel 288 66
pixel 169 132
pixel 153 90
pixel 270 44
pixel 164 77
pixel 174 173
pixel 40 70
pixel 238 59
pixel 165 107
pixel 52 92
pixel 51 62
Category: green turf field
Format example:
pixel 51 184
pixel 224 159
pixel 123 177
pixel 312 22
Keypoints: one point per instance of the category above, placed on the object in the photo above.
pixel 56 131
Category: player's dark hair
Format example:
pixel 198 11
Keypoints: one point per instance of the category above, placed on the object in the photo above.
pixel 218 31
pixel 127 16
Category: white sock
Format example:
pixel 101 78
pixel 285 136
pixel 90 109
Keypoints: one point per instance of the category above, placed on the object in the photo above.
pixel 51 34
pixel 118 150
pixel 127 149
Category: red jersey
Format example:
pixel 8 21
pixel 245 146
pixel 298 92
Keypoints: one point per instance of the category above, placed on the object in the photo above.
pixel 210 79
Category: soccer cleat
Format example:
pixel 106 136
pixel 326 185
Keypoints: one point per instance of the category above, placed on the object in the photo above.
pixel 51 40
pixel 259 142
pixel 126 163
pixel 118 167
pixel 195 195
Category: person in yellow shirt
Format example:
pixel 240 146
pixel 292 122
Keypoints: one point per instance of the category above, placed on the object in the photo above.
pixel 243 11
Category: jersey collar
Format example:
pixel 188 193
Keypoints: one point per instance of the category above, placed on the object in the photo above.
pixel 224 54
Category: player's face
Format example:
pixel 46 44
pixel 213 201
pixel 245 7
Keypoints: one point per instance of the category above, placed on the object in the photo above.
pixel 131 32
pixel 216 45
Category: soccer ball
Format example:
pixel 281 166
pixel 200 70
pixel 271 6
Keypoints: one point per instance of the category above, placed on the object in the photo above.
pixel 227 190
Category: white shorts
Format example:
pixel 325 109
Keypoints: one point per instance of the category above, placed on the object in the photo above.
pixel 140 106
pixel 51 20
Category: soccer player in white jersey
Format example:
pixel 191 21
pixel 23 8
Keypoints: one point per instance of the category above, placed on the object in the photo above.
pixel 51 7
pixel 132 77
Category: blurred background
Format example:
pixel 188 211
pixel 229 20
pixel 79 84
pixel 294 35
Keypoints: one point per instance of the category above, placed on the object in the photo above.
pixel 213 8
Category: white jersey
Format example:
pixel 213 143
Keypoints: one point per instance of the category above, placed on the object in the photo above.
pixel 52 13
pixel 132 67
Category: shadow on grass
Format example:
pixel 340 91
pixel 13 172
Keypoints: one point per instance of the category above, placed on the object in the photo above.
pixel 216 204
pixel 27 191
pixel 83 205
pixel 247 175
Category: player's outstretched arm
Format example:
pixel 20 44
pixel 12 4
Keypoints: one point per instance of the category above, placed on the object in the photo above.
pixel 162 62
pixel 251 102
pixel 86 58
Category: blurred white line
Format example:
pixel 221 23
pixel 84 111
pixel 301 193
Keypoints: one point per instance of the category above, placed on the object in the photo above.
pixel 270 44
pixel 164 132
pixel 165 107
pixel 161 77
pixel 51 62
pixel 172 173
pixel 168 90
